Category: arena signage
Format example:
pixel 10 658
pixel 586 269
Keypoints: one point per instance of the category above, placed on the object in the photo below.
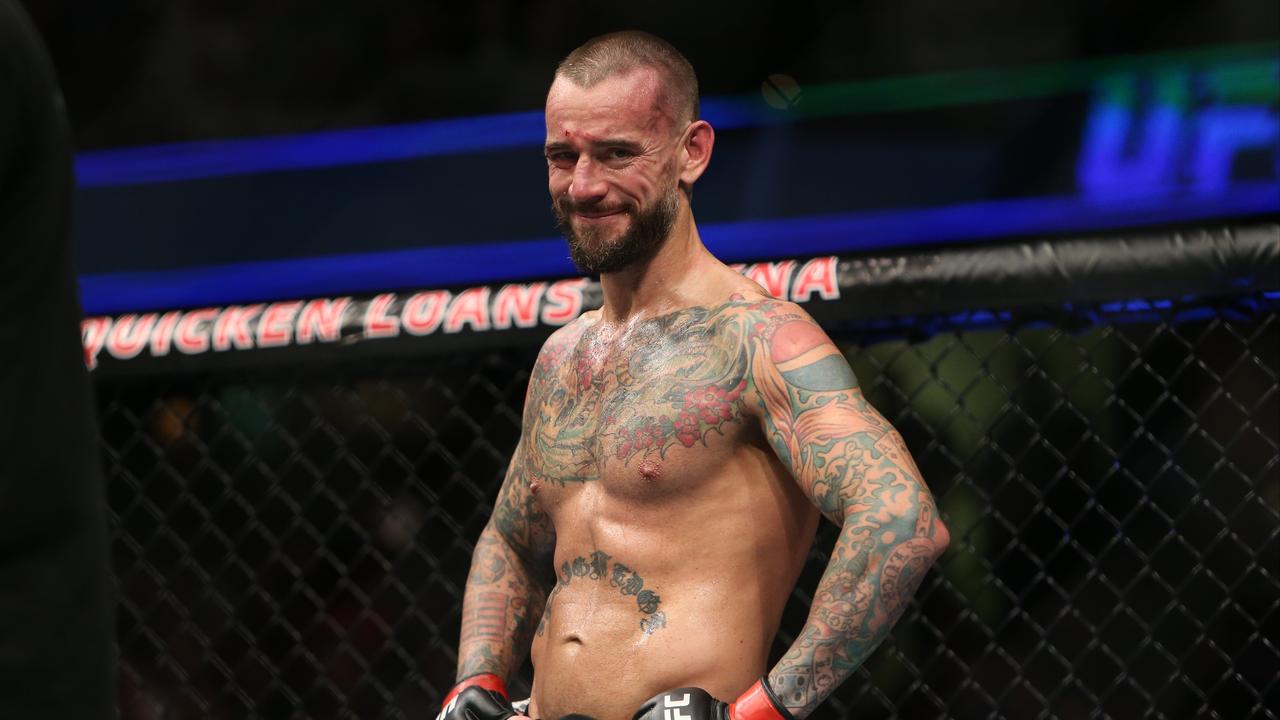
pixel 1181 131
pixel 347 319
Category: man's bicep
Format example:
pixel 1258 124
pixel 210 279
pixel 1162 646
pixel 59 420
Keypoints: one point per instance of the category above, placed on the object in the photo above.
pixel 820 424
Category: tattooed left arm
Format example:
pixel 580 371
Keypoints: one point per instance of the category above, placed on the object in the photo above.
pixel 855 467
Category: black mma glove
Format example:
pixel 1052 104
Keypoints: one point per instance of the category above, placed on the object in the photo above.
pixel 479 697
pixel 757 703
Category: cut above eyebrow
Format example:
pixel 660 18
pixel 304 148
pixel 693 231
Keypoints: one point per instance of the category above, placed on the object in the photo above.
pixel 557 146
pixel 619 142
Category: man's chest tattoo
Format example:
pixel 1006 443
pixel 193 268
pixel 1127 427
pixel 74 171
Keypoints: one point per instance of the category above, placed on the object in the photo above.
pixel 672 382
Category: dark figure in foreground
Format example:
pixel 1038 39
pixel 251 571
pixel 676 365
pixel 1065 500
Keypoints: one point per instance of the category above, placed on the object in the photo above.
pixel 56 643
pixel 679 447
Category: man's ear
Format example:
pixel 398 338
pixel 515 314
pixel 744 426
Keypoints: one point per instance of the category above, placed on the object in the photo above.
pixel 695 152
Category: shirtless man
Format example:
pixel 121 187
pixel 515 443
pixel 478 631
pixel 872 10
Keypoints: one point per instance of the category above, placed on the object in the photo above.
pixel 679 445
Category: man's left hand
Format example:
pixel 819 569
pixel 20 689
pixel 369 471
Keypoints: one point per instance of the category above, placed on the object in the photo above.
pixel 757 703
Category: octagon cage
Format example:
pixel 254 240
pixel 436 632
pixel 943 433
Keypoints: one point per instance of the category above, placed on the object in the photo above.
pixel 295 500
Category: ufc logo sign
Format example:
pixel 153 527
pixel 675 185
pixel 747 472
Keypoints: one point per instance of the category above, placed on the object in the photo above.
pixel 673 709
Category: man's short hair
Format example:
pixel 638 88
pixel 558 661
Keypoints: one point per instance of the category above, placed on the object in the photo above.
pixel 619 53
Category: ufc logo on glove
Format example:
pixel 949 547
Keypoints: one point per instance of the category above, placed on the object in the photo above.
pixel 676 709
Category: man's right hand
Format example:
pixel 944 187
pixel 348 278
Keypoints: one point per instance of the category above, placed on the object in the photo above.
pixel 479 697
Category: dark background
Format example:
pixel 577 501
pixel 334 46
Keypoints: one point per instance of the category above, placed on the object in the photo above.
pixel 139 72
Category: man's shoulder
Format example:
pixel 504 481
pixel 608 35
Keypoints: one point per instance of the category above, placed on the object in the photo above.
pixel 775 330
pixel 562 342
pixel 569 333
pixel 760 311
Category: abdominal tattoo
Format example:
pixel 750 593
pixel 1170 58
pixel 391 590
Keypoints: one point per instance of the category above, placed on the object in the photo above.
pixel 599 567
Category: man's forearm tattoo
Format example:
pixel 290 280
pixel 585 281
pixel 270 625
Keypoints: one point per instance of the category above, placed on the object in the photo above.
pixel 487 566
pixel 498 610
pixel 486 616
pixel 480 659
pixel 505 590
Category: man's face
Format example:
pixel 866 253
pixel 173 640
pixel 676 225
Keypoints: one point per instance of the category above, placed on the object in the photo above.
pixel 611 165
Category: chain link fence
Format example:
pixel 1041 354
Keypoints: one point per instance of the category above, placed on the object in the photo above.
pixel 294 543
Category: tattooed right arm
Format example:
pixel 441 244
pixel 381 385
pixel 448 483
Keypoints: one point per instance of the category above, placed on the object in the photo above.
pixel 510 577
pixel 511 568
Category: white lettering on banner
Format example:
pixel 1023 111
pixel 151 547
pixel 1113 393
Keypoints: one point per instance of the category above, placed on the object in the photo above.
pixel 93 335
pixel 192 334
pixel 232 327
pixel 564 301
pixel 816 276
pixel 517 303
pixel 775 278
pixel 129 334
pixel 162 335
pixel 471 306
pixel 323 320
pixel 377 324
pixel 276 326
pixel 424 312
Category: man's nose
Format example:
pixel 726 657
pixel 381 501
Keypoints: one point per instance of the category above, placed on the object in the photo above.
pixel 587 185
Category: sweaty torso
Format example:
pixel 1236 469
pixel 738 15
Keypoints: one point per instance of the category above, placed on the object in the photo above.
pixel 679 534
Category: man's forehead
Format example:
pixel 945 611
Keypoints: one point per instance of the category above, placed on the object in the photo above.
pixel 637 81
pixel 618 103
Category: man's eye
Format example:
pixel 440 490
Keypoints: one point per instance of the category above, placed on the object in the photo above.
pixel 561 158
pixel 620 154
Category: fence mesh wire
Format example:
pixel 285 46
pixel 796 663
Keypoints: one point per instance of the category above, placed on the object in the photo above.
pixel 295 543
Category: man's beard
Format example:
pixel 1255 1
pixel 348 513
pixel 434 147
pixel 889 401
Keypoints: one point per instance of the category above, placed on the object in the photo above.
pixel 593 252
